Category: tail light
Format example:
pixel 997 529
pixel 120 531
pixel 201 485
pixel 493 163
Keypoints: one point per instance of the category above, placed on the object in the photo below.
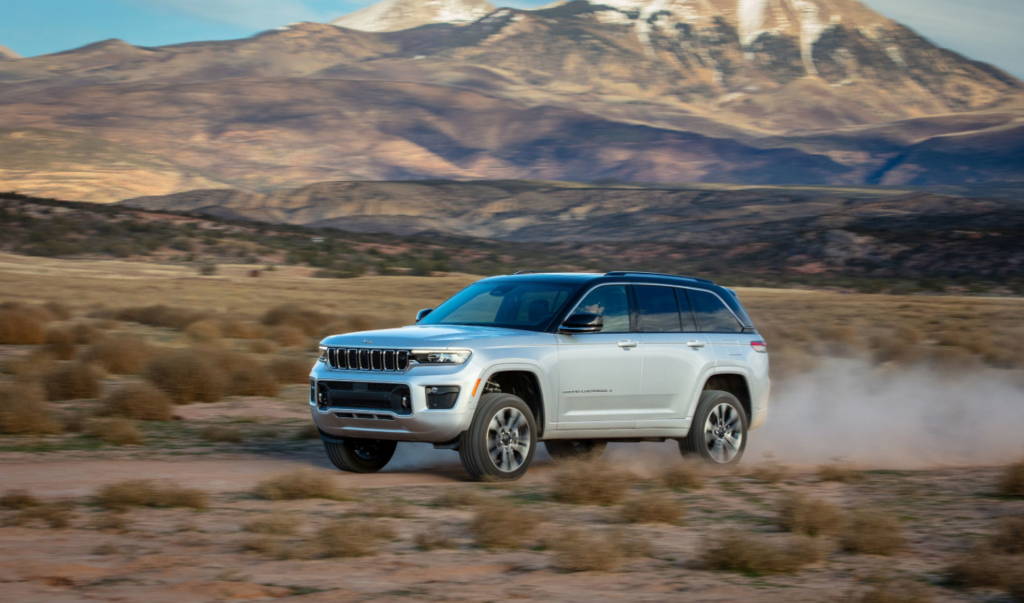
pixel 759 346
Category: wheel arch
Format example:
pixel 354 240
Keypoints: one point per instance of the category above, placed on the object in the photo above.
pixel 734 383
pixel 523 382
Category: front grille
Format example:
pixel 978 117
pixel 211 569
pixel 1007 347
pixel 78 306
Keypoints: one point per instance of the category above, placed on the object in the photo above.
pixel 364 359
pixel 392 397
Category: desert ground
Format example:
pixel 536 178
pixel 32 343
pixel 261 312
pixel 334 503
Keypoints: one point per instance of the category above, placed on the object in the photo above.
pixel 888 471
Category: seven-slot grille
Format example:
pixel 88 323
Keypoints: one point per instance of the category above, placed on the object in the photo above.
pixel 363 359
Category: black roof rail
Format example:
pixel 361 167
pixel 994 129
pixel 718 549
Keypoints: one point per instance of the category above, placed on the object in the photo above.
pixel 628 272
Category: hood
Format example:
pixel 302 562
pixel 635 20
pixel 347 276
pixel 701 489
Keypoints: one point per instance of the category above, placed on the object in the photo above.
pixel 428 336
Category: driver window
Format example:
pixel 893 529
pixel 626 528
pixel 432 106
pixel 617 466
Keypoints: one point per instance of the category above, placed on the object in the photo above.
pixel 611 303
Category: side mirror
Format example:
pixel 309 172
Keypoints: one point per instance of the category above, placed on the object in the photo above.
pixel 582 323
pixel 423 313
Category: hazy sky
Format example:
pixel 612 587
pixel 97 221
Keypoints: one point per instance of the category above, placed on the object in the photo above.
pixel 986 30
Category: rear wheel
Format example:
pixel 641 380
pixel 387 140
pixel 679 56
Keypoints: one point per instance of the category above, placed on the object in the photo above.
pixel 718 434
pixel 360 455
pixel 500 442
pixel 564 450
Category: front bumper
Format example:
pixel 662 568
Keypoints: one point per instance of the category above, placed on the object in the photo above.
pixel 419 424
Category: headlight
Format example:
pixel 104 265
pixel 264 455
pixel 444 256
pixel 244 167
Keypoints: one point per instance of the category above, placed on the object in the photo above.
pixel 323 353
pixel 445 357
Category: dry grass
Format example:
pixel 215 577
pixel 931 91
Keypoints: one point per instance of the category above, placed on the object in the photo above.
pixel 871 533
pixel 261 346
pixel 387 508
pixel 459 497
pixel 503 525
pixel 18 327
pixel 56 515
pixel 433 539
pixel 109 521
pixel 145 493
pixel 351 538
pixel 238 329
pixel 685 475
pixel 1009 536
pixel 119 431
pixel 300 485
pixel 18 499
pixel 140 401
pixel 308 322
pixel 60 344
pixel 186 376
pixel 275 524
pixel 1012 481
pixel 290 369
pixel 228 434
pixel 253 380
pixel 578 550
pixel 769 471
pixel 743 552
pixel 72 381
pixel 121 355
pixel 802 515
pixel 308 431
pixel 982 569
pixel 288 337
pixel 22 410
pixel 652 508
pixel 86 333
pixel 204 331
pixel 839 471
pixel 889 591
pixel 593 482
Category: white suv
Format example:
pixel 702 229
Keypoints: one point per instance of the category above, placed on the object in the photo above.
pixel 571 360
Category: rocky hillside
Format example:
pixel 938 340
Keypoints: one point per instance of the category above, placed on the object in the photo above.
pixel 734 91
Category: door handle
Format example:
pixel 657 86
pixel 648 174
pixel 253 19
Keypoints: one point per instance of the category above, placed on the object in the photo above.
pixel 696 344
pixel 626 344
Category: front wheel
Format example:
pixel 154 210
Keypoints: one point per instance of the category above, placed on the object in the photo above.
pixel 718 434
pixel 501 440
pixel 360 455
pixel 565 450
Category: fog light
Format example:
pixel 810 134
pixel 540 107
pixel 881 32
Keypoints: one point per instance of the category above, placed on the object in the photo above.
pixel 441 397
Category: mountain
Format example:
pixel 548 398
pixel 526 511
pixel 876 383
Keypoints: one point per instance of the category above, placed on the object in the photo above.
pixel 6 54
pixel 734 91
pixel 395 15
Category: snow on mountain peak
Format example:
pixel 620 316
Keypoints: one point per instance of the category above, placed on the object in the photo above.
pixel 394 15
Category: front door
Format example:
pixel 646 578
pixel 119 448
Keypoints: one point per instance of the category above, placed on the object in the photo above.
pixel 600 372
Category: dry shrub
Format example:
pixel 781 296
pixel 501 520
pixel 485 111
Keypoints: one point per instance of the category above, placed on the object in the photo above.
pixel 110 521
pixel 22 410
pixel 459 497
pixel 275 547
pixel 261 346
pixel 591 482
pixel 502 525
pixel 140 401
pixel 1009 536
pixel 685 475
pixel 222 434
pixel 85 333
pixel 18 499
pixel 57 515
pixel 121 355
pixel 277 524
pixel 351 538
pixel 237 329
pixel 309 431
pixel 871 533
pixel 838 471
pixel 350 324
pixel 253 380
pixel 60 344
pixel 73 381
pixel 387 508
pixel 901 591
pixel 186 376
pixel 160 316
pixel 981 569
pixel 290 369
pixel 309 322
pixel 1012 481
pixel 18 327
pixel 58 310
pixel 145 493
pixel 119 432
pixel 742 552
pixel 204 331
pixel 802 515
pixel 579 550
pixel 299 485
pixel 652 508
pixel 769 471
pixel 288 337
pixel 433 539
pixel 106 549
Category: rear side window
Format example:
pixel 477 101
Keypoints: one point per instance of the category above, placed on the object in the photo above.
pixel 659 312
pixel 713 315
pixel 689 326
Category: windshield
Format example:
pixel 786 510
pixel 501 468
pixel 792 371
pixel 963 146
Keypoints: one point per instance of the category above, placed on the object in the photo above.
pixel 519 305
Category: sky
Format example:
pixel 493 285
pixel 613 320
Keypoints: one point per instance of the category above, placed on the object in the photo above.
pixel 985 30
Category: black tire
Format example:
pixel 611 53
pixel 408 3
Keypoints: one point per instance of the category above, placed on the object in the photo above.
pixel 712 441
pixel 509 413
pixel 360 455
pixel 566 450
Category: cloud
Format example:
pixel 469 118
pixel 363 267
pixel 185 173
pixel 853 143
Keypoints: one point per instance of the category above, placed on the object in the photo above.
pixel 249 14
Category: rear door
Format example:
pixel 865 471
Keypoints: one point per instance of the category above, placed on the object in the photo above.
pixel 600 372
pixel 723 330
pixel 676 356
